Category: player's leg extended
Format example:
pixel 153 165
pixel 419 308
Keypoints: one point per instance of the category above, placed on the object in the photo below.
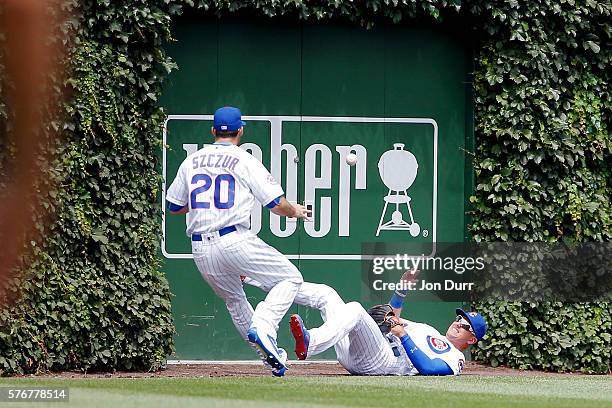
pixel 256 259
pixel 225 284
pixel 341 322
pixel 368 350
pixel 314 295
pixel 317 296
pixel 228 286
pixel 364 349
pixel 327 300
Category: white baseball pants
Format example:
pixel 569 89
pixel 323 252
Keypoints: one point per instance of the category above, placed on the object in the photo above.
pixel 360 346
pixel 222 259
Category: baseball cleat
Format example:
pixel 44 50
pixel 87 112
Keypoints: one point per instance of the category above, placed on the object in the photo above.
pixel 267 345
pixel 283 359
pixel 261 355
pixel 301 335
pixel 279 373
pixel 282 356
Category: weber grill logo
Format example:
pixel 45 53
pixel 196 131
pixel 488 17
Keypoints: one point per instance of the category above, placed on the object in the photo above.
pixel 392 184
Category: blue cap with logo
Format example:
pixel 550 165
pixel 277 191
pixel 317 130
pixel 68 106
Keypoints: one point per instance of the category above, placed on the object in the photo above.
pixel 476 320
pixel 228 119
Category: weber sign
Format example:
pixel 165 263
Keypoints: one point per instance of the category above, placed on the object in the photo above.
pixel 397 186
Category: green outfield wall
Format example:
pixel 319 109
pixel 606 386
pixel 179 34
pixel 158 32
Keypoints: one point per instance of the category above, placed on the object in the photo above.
pixel 311 94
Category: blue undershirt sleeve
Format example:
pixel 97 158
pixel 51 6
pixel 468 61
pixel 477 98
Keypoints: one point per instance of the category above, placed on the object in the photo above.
pixel 274 202
pixel 422 362
pixel 397 300
pixel 173 207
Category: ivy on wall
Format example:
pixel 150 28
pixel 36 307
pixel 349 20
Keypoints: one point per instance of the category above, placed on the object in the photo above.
pixel 543 113
pixel 93 296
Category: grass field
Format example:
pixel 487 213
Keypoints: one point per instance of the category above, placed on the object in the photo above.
pixel 246 392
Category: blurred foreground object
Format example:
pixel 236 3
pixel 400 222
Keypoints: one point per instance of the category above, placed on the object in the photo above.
pixel 28 52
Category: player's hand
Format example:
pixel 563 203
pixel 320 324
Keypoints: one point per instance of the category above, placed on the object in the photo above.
pixel 301 212
pixel 398 330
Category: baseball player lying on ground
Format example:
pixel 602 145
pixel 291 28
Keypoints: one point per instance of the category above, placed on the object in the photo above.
pixel 391 346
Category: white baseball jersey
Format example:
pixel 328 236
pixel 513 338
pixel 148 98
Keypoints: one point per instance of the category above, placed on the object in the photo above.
pixel 220 183
pixel 432 343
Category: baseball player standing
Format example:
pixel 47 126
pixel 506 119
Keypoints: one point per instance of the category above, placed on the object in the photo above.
pixel 217 186
pixel 392 346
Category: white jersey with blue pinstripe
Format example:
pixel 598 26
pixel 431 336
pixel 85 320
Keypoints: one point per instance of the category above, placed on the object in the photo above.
pixel 360 346
pixel 220 183
pixel 432 343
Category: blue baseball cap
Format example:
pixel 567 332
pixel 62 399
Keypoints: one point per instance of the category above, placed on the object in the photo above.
pixel 476 320
pixel 228 119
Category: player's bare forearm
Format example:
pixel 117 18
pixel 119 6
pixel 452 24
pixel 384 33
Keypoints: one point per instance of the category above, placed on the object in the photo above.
pixel 286 209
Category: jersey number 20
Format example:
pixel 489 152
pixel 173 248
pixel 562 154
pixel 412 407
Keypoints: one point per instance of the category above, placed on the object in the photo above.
pixel 208 182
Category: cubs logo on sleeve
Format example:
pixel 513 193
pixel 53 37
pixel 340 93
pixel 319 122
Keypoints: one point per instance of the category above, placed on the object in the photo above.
pixel 437 345
pixel 272 180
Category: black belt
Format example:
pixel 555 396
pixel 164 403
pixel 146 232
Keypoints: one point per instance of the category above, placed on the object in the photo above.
pixel 222 232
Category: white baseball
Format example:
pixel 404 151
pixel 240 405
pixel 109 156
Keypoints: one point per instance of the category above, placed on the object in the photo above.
pixel 351 159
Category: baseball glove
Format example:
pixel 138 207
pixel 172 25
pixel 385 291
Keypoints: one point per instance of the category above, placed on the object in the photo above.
pixel 384 317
